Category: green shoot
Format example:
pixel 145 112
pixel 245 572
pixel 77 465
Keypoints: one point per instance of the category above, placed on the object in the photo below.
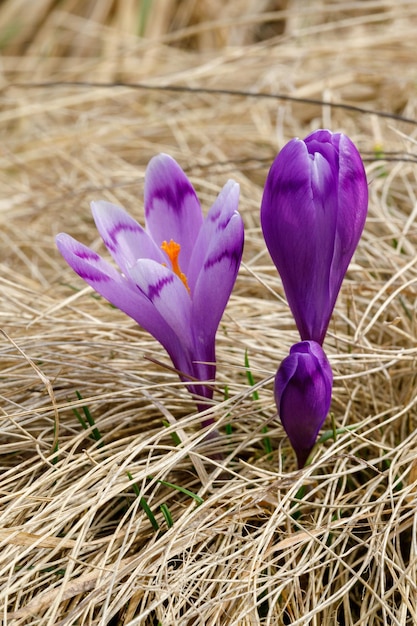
pixel 229 428
pixel 183 490
pixel 379 156
pixel 145 506
pixel 167 515
pixel 333 433
pixel 145 7
pixel 249 376
pixel 267 442
pixel 333 421
pixel 88 422
pixel 163 507
pixel 298 499
pixel 174 436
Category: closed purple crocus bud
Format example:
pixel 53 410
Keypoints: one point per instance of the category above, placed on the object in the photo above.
pixel 176 275
pixel 303 392
pixel 313 212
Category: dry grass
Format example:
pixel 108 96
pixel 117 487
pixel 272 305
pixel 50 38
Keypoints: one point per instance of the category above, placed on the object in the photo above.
pixel 333 544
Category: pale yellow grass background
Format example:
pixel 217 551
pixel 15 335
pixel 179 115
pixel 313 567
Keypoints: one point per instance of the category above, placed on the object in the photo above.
pixel 76 544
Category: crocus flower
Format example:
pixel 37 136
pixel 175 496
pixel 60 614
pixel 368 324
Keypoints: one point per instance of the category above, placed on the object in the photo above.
pixel 313 212
pixel 303 391
pixel 176 275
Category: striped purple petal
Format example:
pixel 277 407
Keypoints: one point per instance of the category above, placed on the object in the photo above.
pixel 172 209
pixel 109 283
pixel 217 219
pixel 216 279
pixel 124 238
pixel 169 297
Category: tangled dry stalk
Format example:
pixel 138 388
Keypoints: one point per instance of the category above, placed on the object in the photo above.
pixel 252 541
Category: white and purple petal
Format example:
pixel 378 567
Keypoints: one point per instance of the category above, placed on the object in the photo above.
pixel 92 268
pixel 168 295
pixel 215 222
pixel 172 209
pixel 125 239
pixel 109 283
pixel 216 280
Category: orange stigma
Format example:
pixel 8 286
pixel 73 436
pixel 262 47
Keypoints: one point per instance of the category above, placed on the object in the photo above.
pixel 173 250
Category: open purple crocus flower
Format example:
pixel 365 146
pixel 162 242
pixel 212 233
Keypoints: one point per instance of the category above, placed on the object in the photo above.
pixel 313 212
pixel 176 275
pixel 303 392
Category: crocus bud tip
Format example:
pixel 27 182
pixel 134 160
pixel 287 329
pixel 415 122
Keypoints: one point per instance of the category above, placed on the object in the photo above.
pixel 303 389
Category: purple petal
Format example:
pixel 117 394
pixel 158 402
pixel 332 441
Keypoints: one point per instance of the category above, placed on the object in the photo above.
pixel 172 209
pixel 217 219
pixel 107 281
pixel 125 239
pixel 216 280
pixel 169 297
pixel 303 390
pixel 299 233
pixel 352 210
pixel 352 199
pixel 213 269
pixel 325 143
pixel 313 212
pixel 90 266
